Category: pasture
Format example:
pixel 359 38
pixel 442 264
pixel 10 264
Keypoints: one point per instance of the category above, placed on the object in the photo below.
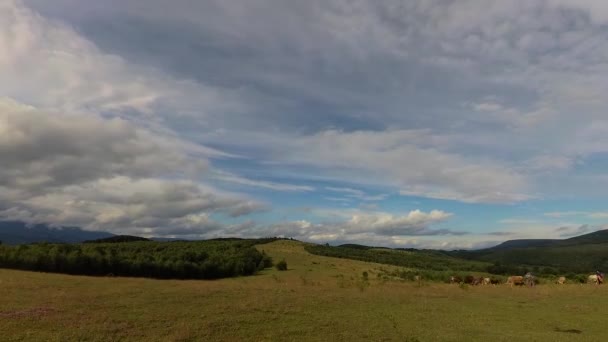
pixel 317 299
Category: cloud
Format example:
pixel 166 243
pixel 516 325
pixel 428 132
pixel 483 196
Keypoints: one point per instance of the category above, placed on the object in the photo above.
pixel 357 194
pixel 468 101
pixel 82 143
pixel 569 231
pixel 347 224
pixel 437 87
pixel 388 156
pixel 232 178
pixel 42 149
pixel 104 174
pixel 121 204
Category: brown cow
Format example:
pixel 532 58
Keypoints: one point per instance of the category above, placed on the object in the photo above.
pixel 478 281
pixel 515 280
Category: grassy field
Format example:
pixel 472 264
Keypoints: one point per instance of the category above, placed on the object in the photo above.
pixel 317 299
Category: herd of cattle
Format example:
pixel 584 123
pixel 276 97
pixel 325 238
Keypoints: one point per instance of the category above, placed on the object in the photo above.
pixel 528 280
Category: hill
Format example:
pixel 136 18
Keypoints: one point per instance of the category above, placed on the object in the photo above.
pixel 600 236
pixel 523 243
pixel 15 232
pixel 580 254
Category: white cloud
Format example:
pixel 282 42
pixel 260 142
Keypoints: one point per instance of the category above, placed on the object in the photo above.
pixel 122 204
pixel 357 194
pixel 82 143
pixel 397 158
pixel 41 149
pixel 350 223
pixel 232 178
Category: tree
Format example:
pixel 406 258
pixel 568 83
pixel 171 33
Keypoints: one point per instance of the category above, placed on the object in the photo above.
pixel 282 265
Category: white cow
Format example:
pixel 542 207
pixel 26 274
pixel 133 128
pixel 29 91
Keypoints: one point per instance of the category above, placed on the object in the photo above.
pixel 595 279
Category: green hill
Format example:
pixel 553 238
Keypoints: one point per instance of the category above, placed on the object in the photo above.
pixel 580 254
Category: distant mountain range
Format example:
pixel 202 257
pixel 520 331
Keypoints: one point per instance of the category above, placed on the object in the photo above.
pixel 600 236
pixel 14 233
pixel 584 253
pixel 17 233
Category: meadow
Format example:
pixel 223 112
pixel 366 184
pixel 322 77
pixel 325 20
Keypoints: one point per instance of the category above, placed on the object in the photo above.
pixel 318 298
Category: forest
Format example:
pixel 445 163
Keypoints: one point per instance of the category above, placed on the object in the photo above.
pixel 418 259
pixel 211 259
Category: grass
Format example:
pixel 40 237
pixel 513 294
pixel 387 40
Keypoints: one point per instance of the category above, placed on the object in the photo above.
pixel 318 299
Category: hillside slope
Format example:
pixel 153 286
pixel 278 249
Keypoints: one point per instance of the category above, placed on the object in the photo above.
pixel 580 254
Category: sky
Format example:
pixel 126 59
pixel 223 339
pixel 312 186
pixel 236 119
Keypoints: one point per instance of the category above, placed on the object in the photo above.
pixel 418 123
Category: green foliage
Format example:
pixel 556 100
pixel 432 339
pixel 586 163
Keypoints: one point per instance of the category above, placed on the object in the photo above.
pixel 282 265
pixel 164 260
pixel 552 260
pixel 419 259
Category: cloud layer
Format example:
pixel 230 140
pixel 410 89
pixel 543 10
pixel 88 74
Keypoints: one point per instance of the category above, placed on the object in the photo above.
pixel 199 120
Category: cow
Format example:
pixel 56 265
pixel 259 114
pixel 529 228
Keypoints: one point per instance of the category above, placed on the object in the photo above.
pixel 480 281
pixel 469 279
pixel 561 280
pixel 529 279
pixel 494 281
pixel 515 280
pixel 455 280
pixel 595 279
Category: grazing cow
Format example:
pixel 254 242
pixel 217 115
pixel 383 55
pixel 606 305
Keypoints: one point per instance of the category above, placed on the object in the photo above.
pixel 515 280
pixel 469 279
pixel 595 279
pixel 486 281
pixel 494 281
pixel 455 280
pixel 529 279
pixel 561 280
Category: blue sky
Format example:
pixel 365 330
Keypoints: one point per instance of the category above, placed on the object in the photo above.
pixel 424 123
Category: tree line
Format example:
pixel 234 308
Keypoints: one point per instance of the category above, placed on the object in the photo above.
pixel 418 259
pixel 210 259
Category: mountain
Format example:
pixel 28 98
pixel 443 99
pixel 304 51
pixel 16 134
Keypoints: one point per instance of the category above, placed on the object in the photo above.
pixel 600 236
pixel 523 243
pixel 579 254
pixel 15 232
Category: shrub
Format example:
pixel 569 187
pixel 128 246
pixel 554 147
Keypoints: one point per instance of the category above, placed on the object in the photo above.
pixel 282 265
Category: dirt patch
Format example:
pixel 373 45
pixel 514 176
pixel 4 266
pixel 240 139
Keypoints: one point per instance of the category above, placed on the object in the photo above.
pixel 27 313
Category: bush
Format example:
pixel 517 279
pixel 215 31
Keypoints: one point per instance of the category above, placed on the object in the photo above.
pixel 282 265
